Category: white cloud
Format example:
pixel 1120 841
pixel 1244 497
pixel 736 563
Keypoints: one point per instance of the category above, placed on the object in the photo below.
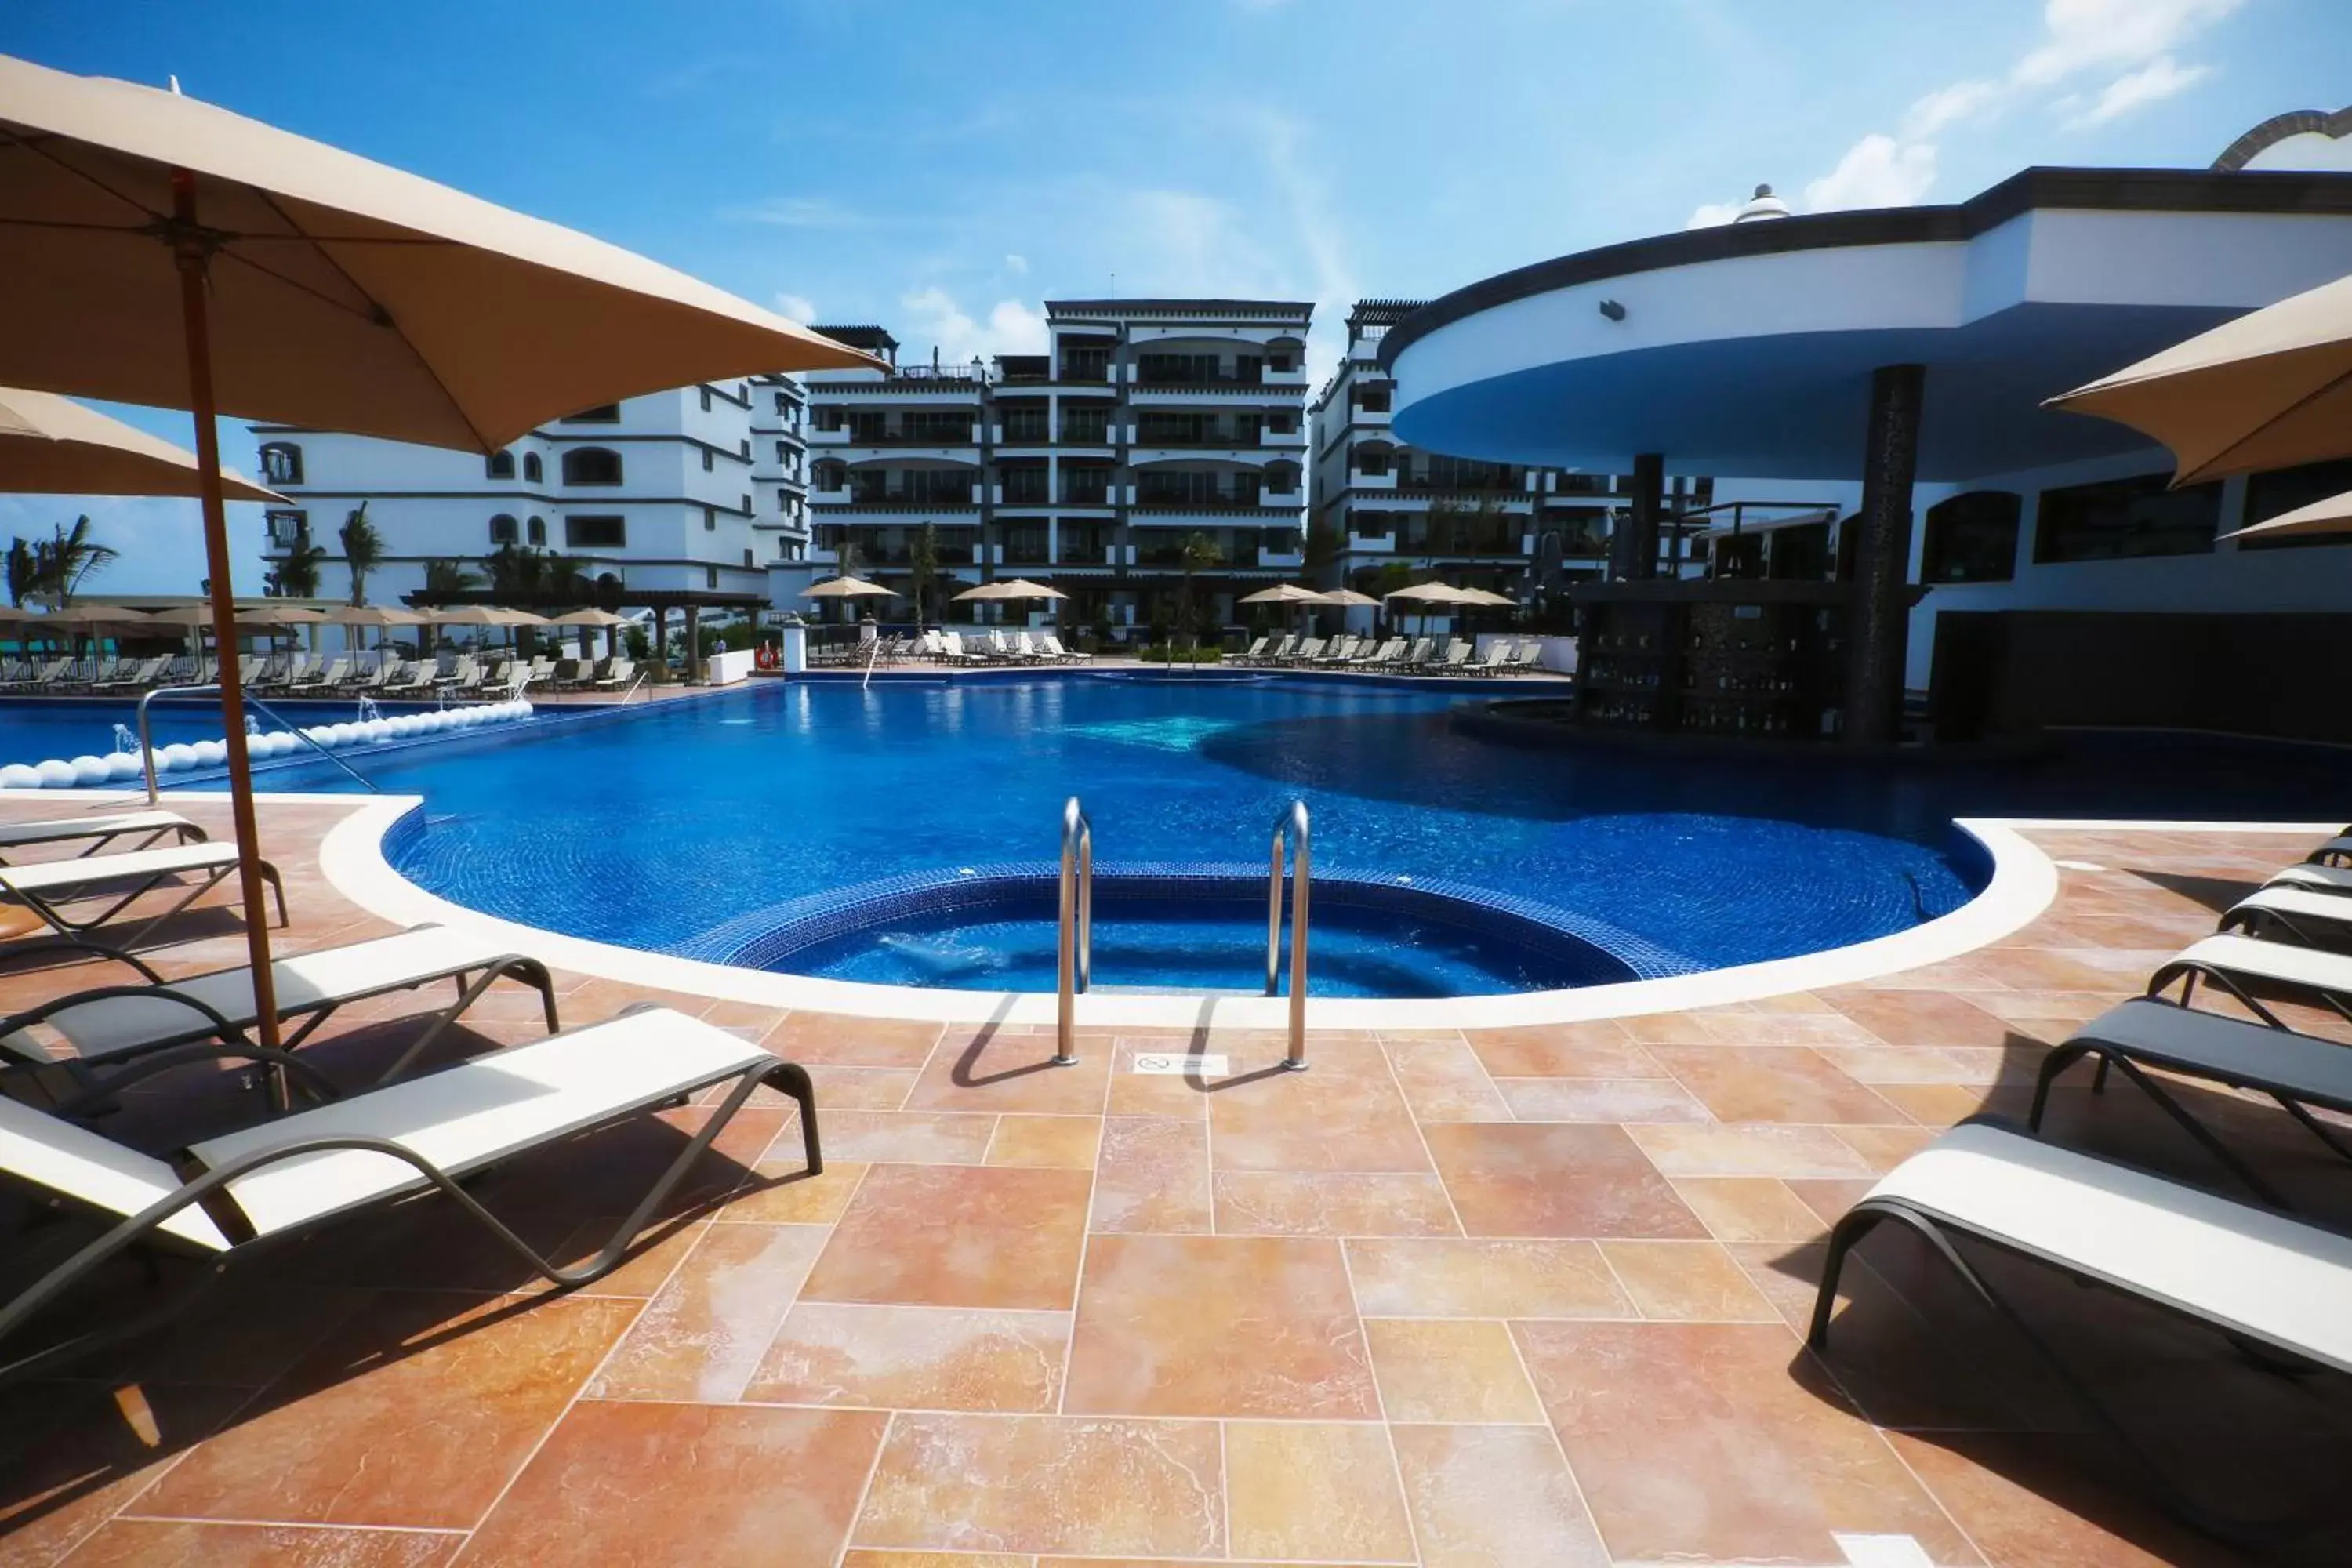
pixel 2116 35
pixel 796 307
pixel 2159 79
pixel 1876 172
pixel 796 212
pixel 1016 264
pixel 1713 214
pixel 934 318
pixel 1949 106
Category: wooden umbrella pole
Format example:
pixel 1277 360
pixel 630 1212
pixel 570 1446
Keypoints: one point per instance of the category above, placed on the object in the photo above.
pixel 192 251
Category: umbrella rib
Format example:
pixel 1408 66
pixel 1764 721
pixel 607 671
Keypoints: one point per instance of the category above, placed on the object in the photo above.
pixel 2314 396
pixel 34 146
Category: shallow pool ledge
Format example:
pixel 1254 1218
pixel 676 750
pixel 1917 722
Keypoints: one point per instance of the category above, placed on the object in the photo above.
pixel 2023 885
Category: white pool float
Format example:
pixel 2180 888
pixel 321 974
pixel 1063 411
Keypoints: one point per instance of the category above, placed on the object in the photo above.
pixel 20 776
pixel 56 773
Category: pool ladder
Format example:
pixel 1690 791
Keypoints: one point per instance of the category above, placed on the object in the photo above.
pixel 1074 945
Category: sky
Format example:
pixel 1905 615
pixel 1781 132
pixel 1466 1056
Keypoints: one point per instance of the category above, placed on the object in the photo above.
pixel 944 168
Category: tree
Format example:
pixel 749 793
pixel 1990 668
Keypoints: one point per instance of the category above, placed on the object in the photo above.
pixel 363 549
pixel 1321 548
pixel 24 572
pixel 923 559
pixel 297 572
pixel 52 569
pixel 1442 526
pixel 1199 553
pixel 449 579
pixel 525 573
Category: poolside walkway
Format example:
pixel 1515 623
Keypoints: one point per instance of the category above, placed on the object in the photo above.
pixel 1523 1296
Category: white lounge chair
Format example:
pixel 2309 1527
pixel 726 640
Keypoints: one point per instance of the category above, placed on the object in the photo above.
pixel 2234 963
pixel 139 676
pixel 2248 1273
pixel 104 830
pixel 414 679
pixel 47 887
pixel 2312 917
pixel 1054 650
pixel 326 679
pixel 619 673
pixel 151 1027
pixel 239 1195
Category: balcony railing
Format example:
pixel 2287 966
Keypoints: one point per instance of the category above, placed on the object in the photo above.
pixel 959 436
pixel 1083 555
pixel 1085 495
pixel 1229 438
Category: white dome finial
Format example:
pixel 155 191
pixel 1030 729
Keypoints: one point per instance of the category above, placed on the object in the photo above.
pixel 1762 204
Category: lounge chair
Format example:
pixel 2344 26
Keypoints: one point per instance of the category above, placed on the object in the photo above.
pixel 2257 1277
pixel 619 675
pixel 233 1197
pixel 1457 655
pixel 417 678
pixel 46 886
pixel 1060 655
pixel 137 677
pixel 1417 655
pixel 1250 653
pixel 2295 1069
pixel 299 668
pixel 47 679
pixel 151 1027
pixel 1307 652
pixel 463 673
pixel 1387 655
pixel 104 830
pixel 2315 917
pixel 326 679
pixel 2235 964
pixel 2324 878
pixel 1530 658
pixel 1340 651
pixel 1498 658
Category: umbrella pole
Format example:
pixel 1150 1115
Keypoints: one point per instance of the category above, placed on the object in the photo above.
pixel 190 248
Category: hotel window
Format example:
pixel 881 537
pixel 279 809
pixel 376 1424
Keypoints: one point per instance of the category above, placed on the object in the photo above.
pixel 288 527
pixel 499 465
pixel 2118 517
pixel 534 531
pixel 282 463
pixel 595 533
pixel 783 453
pixel 783 500
pixel 1972 538
pixel 1372 461
pixel 503 531
pixel 533 470
pixel 1278 361
pixel 710 576
pixel 603 414
pixel 705 398
pixel 592 466
pixel 746 508
pixel 1373 400
pixel 710 520
pixel 706 459
pixel 745 452
pixel 1283 424
pixel 2281 490
pixel 747 558
pixel 781 405
pixel 828 418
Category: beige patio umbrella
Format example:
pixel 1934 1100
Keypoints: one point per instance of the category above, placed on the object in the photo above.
pixel 53 445
pixel 851 588
pixel 1022 588
pixel 1489 596
pixel 1349 598
pixel 2333 515
pixel 1282 593
pixel 2269 389
pixel 1433 593
pixel 590 619
pixel 383 617
pixel 987 593
pixel 162 251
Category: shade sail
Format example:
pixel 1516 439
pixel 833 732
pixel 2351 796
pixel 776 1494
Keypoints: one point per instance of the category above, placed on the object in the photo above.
pixel 344 295
pixel 2269 389
pixel 53 445
pixel 2333 515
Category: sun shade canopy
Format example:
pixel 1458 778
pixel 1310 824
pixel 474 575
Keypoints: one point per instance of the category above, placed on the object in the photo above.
pixel 53 445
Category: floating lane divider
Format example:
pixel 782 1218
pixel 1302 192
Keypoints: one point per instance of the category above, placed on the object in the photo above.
pixel 200 756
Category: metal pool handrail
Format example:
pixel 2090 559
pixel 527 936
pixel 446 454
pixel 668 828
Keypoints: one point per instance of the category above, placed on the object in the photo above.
pixel 1294 821
pixel 1075 947
pixel 147 745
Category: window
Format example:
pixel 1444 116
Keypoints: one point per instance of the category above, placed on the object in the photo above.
pixel 1971 538
pixel 2120 518
pixel 747 558
pixel 1087 427
pixel 499 465
pixel 1373 400
pixel 535 530
pixel 533 470
pixel 784 454
pixel 1023 486
pixel 595 533
pixel 706 459
pixel 503 531
pixel 288 527
pixel 1283 424
pixel 592 466
pixel 710 520
pixel 710 576
pixel 746 507
pixel 1278 361
pixel 1085 364
pixel 2268 495
pixel 828 418
pixel 603 414
pixel 782 405
pixel 1025 426
pixel 745 453
pixel 282 463
pixel 1373 461
pixel 705 398
pixel 783 500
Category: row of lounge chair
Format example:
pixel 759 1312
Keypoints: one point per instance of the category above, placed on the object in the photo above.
pixel 340 1152
pixel 2277 1285
pixel 83 677
pixel 946 647
pixel 1397 656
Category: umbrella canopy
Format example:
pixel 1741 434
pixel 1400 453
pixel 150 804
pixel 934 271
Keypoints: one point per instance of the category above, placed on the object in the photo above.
pixel 281 615
pixel 1282 593
pixel 53 445
pixel 2333 515
pixel 1021 588
pixel 592 618
pixel 986 593
pixel 1348 597
pixel 511 617
pixel 1433 593
pixel 469 615
pixel 185 615
pixel 1487 596
pixel 2269 389
pixel 372 615
pixel 93 615
pixel 852 588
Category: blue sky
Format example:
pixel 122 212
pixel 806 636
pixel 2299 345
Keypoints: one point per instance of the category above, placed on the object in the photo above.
pixel 942 168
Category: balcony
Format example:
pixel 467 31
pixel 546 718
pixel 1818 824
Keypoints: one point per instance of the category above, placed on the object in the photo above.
pixel 1378 543
pixel 1357 480
pixel 1083 555
pixel 1291 441
pixel 1088 495
pixel 828 437
pixel 1285 561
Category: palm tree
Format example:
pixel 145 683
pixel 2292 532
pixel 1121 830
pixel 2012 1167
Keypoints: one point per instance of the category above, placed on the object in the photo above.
pixel 448 579
pixel 52 569
pixel 363 549
pixel 24 572
pixel 1199 553
pixel 297 574
pixel 923 560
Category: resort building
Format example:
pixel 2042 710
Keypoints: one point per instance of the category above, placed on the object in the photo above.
pixel 1153 441
pixel 2053 575
pixel 1382 511
pixel 684 494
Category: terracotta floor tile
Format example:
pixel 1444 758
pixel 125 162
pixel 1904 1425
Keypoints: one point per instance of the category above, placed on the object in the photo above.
pixel 1300 1122
pixel 915 1357
pixel 1749 1208
pixel 1201 1325
pixel 1922 1018
pixel 1443 1082
pixel 686 1484
pixel 1555 1179
pixel 795 1197
pixel 1600 1049
pixel 1153 1175
pixel 861 1088
pixel 1313 1203
pixel 1431 1368
pixel 1772 1084
pixel 1059 1143
pixel 1072 1484
pixel 1010 1072
pixel 1828 1028
pixel 1671 1028
pixel 2016 1525
pixel 1152 1094
pixel 1695 1440
pixel 1318 1490
pixel 487 1379
pixel 811 1038
pixel 185 1543
pixel 1879 1066
pixel 1886 1147
pixel 1694 1281
pixel 1485 1495
pixel 71 1454
pixel 906 1137
pixel 1443 1279
pixel 859 1558
pixel 1601 1100
pixel 937 1236
pixel 702 1336
pixel 1938 1105
pixel 1753 1150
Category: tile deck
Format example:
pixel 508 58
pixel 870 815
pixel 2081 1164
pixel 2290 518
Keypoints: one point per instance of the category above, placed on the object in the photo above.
pixel 1525 1296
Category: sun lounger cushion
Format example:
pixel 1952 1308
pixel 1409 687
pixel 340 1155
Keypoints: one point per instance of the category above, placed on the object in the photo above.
pixel 2244 1269
pixel 2315 968
pixel 481 1111
pixel 64 830
pixel 2326 878
pixel 46 1151
pixel 2230 1050
pixel 49 877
